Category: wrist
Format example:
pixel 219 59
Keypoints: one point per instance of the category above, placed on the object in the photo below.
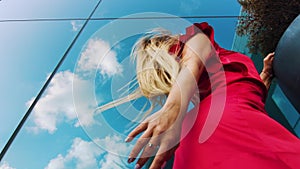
pixel 267 73
pixel 177 109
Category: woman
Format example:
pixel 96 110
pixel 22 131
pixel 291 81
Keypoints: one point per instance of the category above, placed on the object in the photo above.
pixel 193 67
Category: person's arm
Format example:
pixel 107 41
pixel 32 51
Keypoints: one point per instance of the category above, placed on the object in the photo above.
pixel 195 52
pixel 267 73
pixel 163 128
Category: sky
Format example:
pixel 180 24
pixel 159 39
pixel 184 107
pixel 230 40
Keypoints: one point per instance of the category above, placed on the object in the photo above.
pixel 63 131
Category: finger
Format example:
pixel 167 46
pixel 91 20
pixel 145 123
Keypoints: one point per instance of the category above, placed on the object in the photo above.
pixel 270 55
pixel 149 151
pixel 139 145
pixel 158 162
pixel 162 155
pixel 140 128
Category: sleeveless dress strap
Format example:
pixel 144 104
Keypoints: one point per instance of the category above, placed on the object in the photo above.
pixel 198 28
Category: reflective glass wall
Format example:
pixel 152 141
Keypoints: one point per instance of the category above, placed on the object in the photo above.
pixel 63 130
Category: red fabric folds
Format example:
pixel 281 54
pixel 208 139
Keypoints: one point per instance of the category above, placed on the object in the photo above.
pixel 246 137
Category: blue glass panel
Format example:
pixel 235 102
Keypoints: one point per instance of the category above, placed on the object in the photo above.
pixel 240 45
pixel 285 106
pixel 120 8
pixel 57 135
pixel 33 9
pixel 297 128
pixel 29 51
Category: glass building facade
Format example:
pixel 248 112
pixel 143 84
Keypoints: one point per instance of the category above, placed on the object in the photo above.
pixel 93 39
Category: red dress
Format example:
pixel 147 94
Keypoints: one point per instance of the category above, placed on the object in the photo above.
pixel 230 128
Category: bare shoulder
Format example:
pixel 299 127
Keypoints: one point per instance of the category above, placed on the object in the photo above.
pixel 197 46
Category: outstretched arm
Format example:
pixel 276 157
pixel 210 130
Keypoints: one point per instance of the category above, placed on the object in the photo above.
pixel 195 52
pixel 163 128
pixel 267 73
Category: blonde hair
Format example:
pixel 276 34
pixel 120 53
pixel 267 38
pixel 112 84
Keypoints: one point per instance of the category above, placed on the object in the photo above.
pixel 156 68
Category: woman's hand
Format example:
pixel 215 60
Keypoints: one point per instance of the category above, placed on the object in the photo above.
pixel 160 138
pixel 268 61
pixel 267 73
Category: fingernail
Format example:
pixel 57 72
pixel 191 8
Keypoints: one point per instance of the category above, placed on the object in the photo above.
pixel 137 166
pixel 130 160
pixel 127 139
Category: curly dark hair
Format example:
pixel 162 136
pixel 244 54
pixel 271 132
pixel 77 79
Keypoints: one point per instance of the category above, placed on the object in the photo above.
pixel 264 22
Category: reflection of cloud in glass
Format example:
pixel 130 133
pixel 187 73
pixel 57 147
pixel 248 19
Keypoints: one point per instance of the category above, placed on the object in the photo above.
pixel 75 26
pixel 98 55
pixel 113 161
pixel 56 105
pixel 5 165
pixel 85 154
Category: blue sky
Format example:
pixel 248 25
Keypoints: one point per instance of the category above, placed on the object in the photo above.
pixel 62 132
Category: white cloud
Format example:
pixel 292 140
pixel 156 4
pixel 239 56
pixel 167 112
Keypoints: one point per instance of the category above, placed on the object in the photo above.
pixel 111 142
pixel 85 154
pixel 56 163
pixel 75 26
pixel 57 104
pixel 98 53
pixel 5 165
pixel 113 160
pixel 84 100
